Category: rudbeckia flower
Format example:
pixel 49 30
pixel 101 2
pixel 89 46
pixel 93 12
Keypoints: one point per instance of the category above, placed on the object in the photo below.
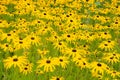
pixel 26 68
pixel 57 78
pixel 111 57
pixel 107 45
pixel 62 61
pixel 16 61
pixel 47 63
pixel 98 67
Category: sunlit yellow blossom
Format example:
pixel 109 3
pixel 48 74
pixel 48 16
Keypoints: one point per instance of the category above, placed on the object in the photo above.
pixel 48 64
pixel 111 57
pixel 98 67
pixel 42 52
pixel 33 39
pixel 57 78
pixel 107 45
pixel 16 61
pixel 26 68
pixel 114 73
pixel 81 62
pixel 62 61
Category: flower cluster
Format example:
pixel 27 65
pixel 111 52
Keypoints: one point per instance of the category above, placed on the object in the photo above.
pixel 60 39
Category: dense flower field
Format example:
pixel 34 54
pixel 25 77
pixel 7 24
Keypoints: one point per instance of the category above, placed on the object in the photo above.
pixel 59 39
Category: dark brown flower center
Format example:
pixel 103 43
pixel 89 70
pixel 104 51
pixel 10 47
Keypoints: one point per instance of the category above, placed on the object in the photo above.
pixel 105 44
pixel 38 21
pixel 71 20
pixel 55 37
pixel 111 57
pixel 68 35
pixel 32 38
pixel 74 50
pixel 8 34
pixel 15 59
pixel 109 41
pixel 84 46
pixel 25 68
pixel 61 60
pixel 44 13
pixel 114 54
pixel 60 43
pixel 48 61
pixel 99 65
pixel 57 79
pixel 116 22
pixel 84 63
pixel 6 45
pixel 105 33
pixel 67 15
pixel 28 3
pixel 79 58
pixel 20 42
pixel 116 6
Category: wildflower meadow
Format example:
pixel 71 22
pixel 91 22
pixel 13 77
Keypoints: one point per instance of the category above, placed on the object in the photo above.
pixel 59 39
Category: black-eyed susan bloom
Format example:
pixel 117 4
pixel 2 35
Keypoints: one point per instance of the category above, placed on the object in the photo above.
pixel 107 45
pixel 16 61
pixel 47 63
pixel 42 53
pixel 7 47
pixel 57 78
pixel 104 35
pixel 26 68
pixel 82 33
pixel 72 52
pixel 59 45
pixel 98 67
pixel 39 71
pixel 68 37
pixel 81 62
pixel 111 57
pixel 20 43
pixel 62 61
pixel 33 39
pixel 114 73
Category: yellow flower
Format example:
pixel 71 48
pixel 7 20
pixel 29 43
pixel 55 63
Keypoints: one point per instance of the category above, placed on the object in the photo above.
pixel 3 9
pixel 33 39
pixel 111 57
pixel 104 35
pixel 4 24
pixel 62 61
pixel 20 43
pixel 57 78
pixel 59 45
pixel 81 62
pixel 47 64
pixel 88 1
pixel 42 52
pixel 68 37
pixel 114 73
pixel 107 45
pixel 54 37
pixel 26 68
pixel 9 36
pixel 37 22
pixel 39 71
pixel 98 67
pixel 73 52
pixel 16 61
pixel 7 47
